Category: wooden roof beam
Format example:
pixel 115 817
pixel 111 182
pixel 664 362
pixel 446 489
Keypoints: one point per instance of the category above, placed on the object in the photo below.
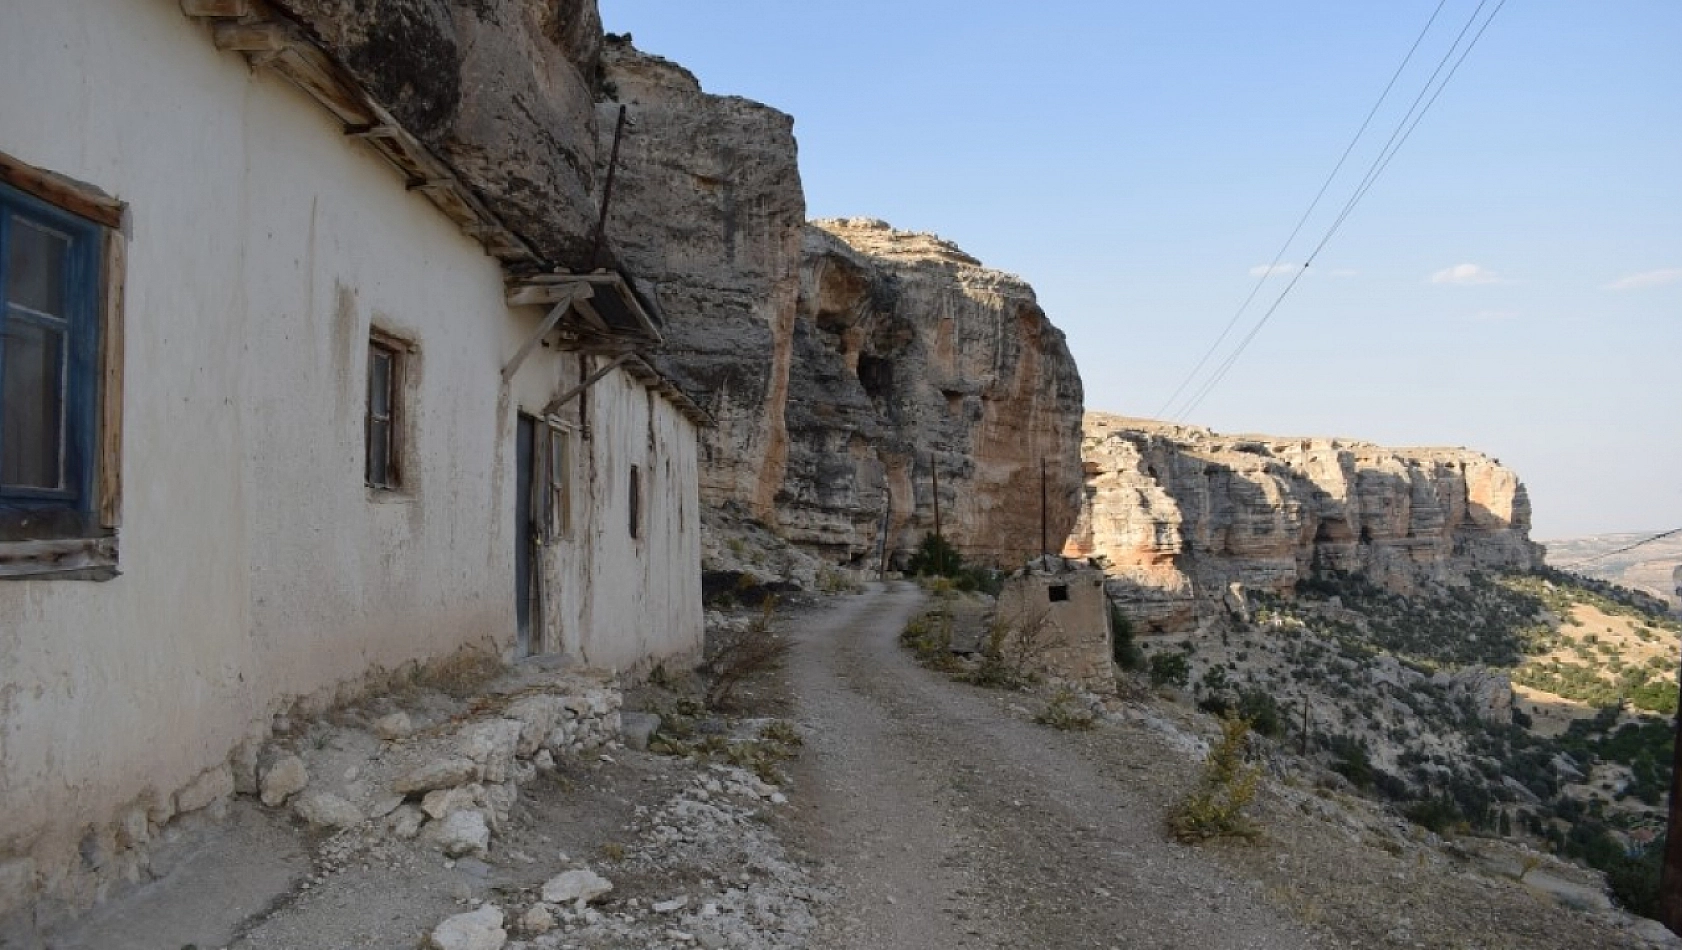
pixel 216 8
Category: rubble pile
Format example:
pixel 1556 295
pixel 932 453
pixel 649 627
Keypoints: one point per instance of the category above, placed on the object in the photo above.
pixel 445 773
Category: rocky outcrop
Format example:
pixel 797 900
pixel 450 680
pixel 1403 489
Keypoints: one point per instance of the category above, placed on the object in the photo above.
pixel 707 204
pixel 502 90
pixel 910 354
pixel 1180 513
pixel 841 361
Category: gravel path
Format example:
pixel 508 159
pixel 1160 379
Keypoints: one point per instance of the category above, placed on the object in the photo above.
pixel 951 821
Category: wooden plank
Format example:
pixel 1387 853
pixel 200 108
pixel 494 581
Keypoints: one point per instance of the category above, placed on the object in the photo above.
pixel 250 37
pixel 216 8
pixel 73 196
pixel 541 295
pixel 110 475
pixel 579 292
pixel 92 558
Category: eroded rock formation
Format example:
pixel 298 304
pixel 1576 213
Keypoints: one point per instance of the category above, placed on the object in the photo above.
pixel 840 360
pixel 1181 513
pixel 910 353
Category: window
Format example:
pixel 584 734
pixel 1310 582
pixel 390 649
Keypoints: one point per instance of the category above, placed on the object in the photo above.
pixel 382 469
pixel 59 424
pixel 636 499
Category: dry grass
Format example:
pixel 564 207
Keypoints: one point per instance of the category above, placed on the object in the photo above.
pixel 738 655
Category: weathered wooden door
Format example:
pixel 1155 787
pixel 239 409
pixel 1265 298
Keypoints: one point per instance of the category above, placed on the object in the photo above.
pixel 525 529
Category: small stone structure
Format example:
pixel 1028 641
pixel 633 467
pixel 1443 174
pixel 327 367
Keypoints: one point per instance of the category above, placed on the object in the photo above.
pixel 1058 621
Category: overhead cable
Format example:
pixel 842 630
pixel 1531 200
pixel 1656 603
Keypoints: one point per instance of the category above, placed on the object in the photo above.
pixel 1404 130
pixel 1272 266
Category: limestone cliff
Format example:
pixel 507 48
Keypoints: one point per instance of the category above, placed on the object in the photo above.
pixel 910 354
pixel 841 360
pixel 1181 513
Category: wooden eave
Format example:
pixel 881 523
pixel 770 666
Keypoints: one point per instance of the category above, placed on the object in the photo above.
pixel 269 40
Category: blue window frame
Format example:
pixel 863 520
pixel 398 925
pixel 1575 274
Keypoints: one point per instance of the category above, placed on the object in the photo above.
pixel 49 379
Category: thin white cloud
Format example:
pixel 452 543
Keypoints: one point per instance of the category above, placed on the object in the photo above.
pixel 1269 270
pixel 1466 274
pixel 1647 278
pixel 1495 315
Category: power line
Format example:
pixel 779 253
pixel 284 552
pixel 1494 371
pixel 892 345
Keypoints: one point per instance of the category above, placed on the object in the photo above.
pixel 1267 272
pixel 1628 547
pixel 1398 138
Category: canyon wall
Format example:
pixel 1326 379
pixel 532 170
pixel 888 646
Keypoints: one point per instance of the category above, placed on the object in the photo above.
pixel 1181 514
pixel 840 360
pixel 911 354
pixel 845 365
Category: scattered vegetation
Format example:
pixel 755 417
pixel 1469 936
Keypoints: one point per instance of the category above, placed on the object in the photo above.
pixel 1216 808
pixel 1170 669
pixel 1065 711
pixel 1126 652
pixel 936 557
pixel 738 655
pixel 1405 694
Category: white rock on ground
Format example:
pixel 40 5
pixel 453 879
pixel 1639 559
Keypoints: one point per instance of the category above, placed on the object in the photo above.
pixel 539 920
pixel 462 832
pixel 324 809
pixel 441 802
pixel 479 930
pixel 491 744
pixel 439 773
pixel 284 777
pixel 578 885
pixel 394 727
pixel 638 728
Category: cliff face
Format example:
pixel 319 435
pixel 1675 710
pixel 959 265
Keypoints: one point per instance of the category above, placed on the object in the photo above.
pixel 707 203
pixel 840 361
pixel 1181 513
pixel 910 354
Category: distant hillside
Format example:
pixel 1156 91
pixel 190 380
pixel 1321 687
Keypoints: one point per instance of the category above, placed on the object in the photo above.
pixel 1647 568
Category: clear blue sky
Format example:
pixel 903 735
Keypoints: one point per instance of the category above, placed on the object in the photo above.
pixel 1134 161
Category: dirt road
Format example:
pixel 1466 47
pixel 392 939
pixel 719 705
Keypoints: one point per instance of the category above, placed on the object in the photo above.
pixel 953 821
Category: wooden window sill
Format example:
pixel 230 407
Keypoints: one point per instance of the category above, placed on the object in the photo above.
pixel 69 559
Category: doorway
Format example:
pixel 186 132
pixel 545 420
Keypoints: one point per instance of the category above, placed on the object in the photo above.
pixel 525 530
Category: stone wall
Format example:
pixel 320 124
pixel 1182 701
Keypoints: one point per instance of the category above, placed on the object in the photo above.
pixel 1181 513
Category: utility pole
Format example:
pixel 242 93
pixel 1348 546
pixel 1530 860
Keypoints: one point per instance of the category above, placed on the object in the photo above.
pixel 1043 551
pixel 1670 878
pixel 940 545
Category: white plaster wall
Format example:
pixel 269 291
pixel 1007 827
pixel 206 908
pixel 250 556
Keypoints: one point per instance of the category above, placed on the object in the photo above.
pixel 256 567
pixel 613 601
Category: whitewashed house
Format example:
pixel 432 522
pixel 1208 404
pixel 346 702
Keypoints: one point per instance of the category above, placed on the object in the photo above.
pixel 282 411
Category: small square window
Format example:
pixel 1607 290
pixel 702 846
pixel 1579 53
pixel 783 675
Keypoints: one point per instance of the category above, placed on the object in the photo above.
pixel 1058 593
pixel 382 467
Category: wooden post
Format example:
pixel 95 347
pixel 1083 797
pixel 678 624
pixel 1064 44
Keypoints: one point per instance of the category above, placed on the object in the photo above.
pixel 1305 726
pixel 597 259
pixel 1043 551
pixel 940 546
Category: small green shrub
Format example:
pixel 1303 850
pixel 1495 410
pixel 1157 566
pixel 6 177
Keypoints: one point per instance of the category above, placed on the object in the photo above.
pixel 935 557
pixel 1170 669
pixel 1125 651
pixel 1065 711
pixel 1228 785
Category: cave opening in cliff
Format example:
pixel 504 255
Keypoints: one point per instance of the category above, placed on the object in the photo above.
pixel 876 375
